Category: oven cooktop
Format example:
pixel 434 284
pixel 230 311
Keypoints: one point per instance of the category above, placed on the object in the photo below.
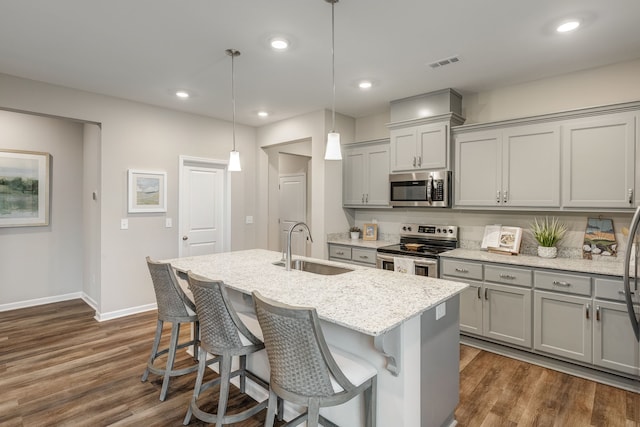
pixel 425 241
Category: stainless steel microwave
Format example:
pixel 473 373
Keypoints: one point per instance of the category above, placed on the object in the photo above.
pixel 420 189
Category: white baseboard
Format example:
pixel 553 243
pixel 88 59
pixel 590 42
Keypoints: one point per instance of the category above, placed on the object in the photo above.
pixel 41 301
pixel 100 317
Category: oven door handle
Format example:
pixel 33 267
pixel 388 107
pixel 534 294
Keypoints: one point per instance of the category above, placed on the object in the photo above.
pixel 420 262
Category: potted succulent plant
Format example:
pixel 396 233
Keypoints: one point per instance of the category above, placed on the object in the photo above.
pixel 355 232
pixel 548 233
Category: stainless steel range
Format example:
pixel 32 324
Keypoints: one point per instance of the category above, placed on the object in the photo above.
pixel 422 244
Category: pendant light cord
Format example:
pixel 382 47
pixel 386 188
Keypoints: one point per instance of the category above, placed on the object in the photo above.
pixel 333 65
pixel 233 96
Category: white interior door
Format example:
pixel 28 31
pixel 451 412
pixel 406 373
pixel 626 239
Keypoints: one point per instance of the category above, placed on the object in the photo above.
pixel 203 197
pixel 292 195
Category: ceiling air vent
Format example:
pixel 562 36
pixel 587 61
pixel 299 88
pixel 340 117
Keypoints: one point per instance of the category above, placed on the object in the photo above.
pixel 445 61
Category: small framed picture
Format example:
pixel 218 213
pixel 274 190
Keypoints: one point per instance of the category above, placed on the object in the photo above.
pixel 370 232
pixel 147 191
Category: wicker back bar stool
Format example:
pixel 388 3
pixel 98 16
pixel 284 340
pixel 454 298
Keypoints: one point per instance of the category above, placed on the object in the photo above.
pixel 224 333
pixel 174 307
pixel 304 370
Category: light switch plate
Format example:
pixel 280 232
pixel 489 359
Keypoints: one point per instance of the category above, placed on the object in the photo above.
pixel 168 223
pixel 249 219
pixel 124 224
pixel 441 310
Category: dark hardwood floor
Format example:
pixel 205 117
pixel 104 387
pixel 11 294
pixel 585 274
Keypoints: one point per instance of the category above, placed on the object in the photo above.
pixel 60 367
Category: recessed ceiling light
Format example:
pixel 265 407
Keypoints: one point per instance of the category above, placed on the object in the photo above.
pixel 182 94
pixel 365 84
pixel 263 114
pixel 568 26
pixel 279 43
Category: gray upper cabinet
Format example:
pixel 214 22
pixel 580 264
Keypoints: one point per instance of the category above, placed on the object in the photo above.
pixel 513 167
pixel 599 161
pixel 420 147
pixel 366 174
pixel 574 160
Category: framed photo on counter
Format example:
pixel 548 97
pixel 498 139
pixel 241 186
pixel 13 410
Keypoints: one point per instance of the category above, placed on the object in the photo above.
pixel 370 232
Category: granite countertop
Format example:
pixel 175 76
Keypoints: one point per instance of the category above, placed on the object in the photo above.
pixel 373 244
pixel 367 300
pixel 610 267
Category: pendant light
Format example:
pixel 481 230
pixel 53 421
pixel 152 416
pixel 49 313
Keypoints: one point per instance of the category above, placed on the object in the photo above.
pixel 333 138
pixel 234 155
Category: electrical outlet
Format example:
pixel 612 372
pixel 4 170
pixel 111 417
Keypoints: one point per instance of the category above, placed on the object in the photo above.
pixel 124 224
pixel 441 310
pixel 249 219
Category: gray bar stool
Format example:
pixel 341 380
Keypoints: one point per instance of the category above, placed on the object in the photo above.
pixel 304 370
pixel 222 333
pixel 174 307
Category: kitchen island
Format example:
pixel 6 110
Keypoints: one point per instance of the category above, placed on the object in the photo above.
pixel 406 326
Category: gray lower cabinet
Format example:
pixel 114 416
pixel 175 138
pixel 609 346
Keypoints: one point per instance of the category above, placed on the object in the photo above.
pixel 572 316
pixel 563 325
pixel 352 254
pixel 613 336
pixel 498 307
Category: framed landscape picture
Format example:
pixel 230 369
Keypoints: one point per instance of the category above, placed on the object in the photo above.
pixel 24 188
pixel 147 191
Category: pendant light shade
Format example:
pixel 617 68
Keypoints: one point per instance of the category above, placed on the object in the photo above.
pixel 234 155
pixel 332 151
pixel 234 161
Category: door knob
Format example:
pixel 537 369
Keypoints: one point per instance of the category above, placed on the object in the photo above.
pixel 185 237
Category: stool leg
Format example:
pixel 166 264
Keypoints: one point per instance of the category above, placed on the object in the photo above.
pixel 225 378
pixel 243 374
pixel 271 409
pixel 370 399
pixel 175 332
pixel 154 349
pixel 196 339
pixel 202 357
pixel 313 413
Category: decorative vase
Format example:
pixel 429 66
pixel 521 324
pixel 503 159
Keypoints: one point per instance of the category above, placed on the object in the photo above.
pixel 355 235
pixel 547 252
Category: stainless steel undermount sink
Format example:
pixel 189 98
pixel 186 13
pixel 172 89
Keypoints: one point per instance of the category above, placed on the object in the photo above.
pixel 314 267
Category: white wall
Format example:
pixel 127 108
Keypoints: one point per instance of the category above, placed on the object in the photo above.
pixel 91 213
pixel 327 214
pixel 140 136
pixel 41 262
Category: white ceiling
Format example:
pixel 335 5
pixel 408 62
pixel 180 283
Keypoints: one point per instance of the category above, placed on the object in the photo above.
pixel 146 49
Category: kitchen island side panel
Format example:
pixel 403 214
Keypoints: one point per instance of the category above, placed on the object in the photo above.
pixel 439 371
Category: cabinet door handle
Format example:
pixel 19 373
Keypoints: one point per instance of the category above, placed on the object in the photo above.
pixel 340 253
pixel 559 283
pixel 507 276
pixel 498 197
pixel 362 197
pixel 630 193
pixel 366 198
pixel 622 292
pixel 461 270
pixel 419 160
pixel 588 310
pixel 479 297
pixel 504 196
pixel 486 295
pixel 364 257
pixel 598 313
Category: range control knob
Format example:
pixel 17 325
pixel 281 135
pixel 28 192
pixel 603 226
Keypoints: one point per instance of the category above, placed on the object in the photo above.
pixel 404 228
pixel 409 228
pixel 437 230
pixel 451 231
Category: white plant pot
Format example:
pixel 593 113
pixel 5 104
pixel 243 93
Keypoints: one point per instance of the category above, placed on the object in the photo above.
pixel 545 252
pixel 355 235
